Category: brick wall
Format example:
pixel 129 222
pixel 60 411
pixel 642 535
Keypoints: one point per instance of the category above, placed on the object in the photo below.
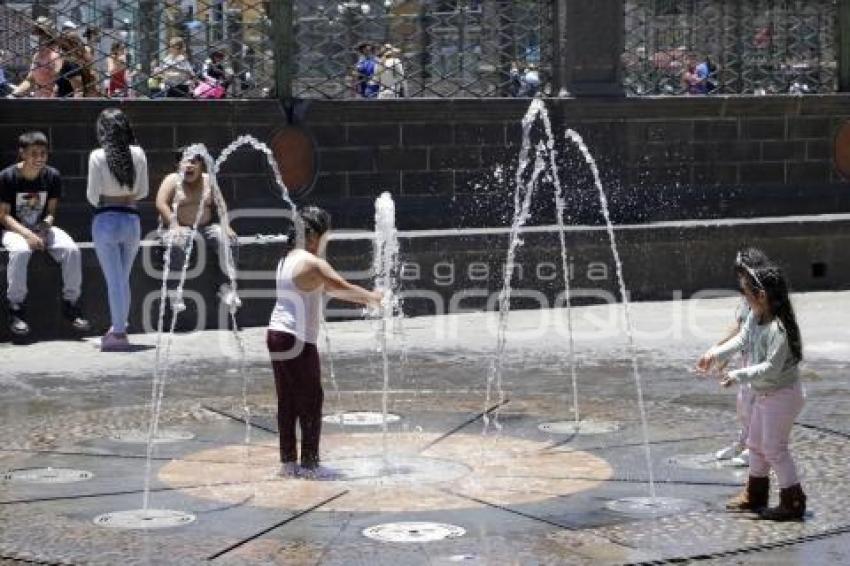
pixel 450 163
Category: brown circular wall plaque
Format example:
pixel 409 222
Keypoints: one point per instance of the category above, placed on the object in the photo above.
pixel 293 150
pixel 841 150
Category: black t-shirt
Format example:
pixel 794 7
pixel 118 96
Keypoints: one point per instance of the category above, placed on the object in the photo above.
pixel 69 70
pixel 28 198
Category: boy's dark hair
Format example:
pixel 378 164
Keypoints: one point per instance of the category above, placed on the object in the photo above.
pixel 180 155
pixel 28 139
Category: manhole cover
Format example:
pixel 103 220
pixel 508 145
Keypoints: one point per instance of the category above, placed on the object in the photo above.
pixel 705 462
pixel 413 532
pixel 136 436
pixel 360 418
pixel 46 475
pixel 584 427
pixel 144 519
pixel 396 470
pixel 653 507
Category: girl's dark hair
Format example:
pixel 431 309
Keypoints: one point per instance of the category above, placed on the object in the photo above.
pixel 115 135
pixel 771 280
pixel 311 221
pixel 748 259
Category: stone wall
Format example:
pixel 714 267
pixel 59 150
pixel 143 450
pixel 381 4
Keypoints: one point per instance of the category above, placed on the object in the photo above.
pixel 450 163
pixel 449 273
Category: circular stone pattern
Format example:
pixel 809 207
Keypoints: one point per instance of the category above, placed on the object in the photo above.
pixel 137 436
pixel 584 427
pixel 423 472
pixel 413 532
pixel 360 418
pixel 653 507
pixel 144 519
pixel 46 475
pixel 397 470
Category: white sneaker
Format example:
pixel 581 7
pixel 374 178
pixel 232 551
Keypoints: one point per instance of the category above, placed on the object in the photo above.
pixel 319 473
pixel 177 304
pixel 229 297
pixel 729 452
pixel 742 460
pixel 288 470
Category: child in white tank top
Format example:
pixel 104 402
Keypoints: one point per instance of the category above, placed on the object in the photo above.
pixel 303 278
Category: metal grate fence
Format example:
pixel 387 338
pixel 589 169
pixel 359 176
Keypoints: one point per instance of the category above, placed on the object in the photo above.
pixel 120 48
pixel 730 46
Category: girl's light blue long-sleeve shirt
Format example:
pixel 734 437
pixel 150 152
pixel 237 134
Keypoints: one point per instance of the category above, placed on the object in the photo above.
pixel 771 364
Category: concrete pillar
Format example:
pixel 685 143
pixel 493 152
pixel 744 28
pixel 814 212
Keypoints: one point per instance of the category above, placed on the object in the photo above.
pixel 592 35
pixel 844 45
pixel 283 28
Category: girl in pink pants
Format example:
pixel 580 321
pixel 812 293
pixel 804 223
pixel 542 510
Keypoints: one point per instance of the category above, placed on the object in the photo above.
pixel 737 452
pixel 772 338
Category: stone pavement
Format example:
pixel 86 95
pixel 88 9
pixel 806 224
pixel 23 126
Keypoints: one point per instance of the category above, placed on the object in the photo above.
pixel 521 493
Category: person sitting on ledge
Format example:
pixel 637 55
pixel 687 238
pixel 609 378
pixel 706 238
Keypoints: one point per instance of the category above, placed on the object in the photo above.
pixel 29 196
pixel 189 186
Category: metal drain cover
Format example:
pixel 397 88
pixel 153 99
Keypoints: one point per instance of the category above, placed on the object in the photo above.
pixel 653 507
pixel 584 427
pixel 413 532
pixel 137 436
pixel 360 418
pixel 46 475
pixel 144 519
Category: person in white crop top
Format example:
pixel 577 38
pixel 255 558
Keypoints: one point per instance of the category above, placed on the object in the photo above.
pixel 303 277
pixel 118 177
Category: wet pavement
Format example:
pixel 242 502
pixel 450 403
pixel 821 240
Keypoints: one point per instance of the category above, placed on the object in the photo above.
pixel 515 493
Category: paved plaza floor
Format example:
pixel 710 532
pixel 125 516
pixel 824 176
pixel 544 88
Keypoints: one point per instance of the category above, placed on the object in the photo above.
pixel 461 474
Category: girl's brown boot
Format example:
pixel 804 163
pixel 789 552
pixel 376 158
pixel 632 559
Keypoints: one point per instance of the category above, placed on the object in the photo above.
pixel 753 498
pixel 792 505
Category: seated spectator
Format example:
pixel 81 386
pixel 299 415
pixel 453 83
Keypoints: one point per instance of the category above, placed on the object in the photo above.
pixel 176 71
pixel 706 73
pixel 216 77
pixel 76 77
pixel 390 74
pixel 530 82
pixel 46 63
pixel 691 82
pixel 6 87
pixel 188 186
pixel 515 78
pixel 116 68
pixel 93 61
pixel 29 196
pixel 366 84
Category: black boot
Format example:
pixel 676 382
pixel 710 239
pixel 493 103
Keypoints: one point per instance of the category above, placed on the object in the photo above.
pixel 17 320
pixel 792 505
pixel 73 314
